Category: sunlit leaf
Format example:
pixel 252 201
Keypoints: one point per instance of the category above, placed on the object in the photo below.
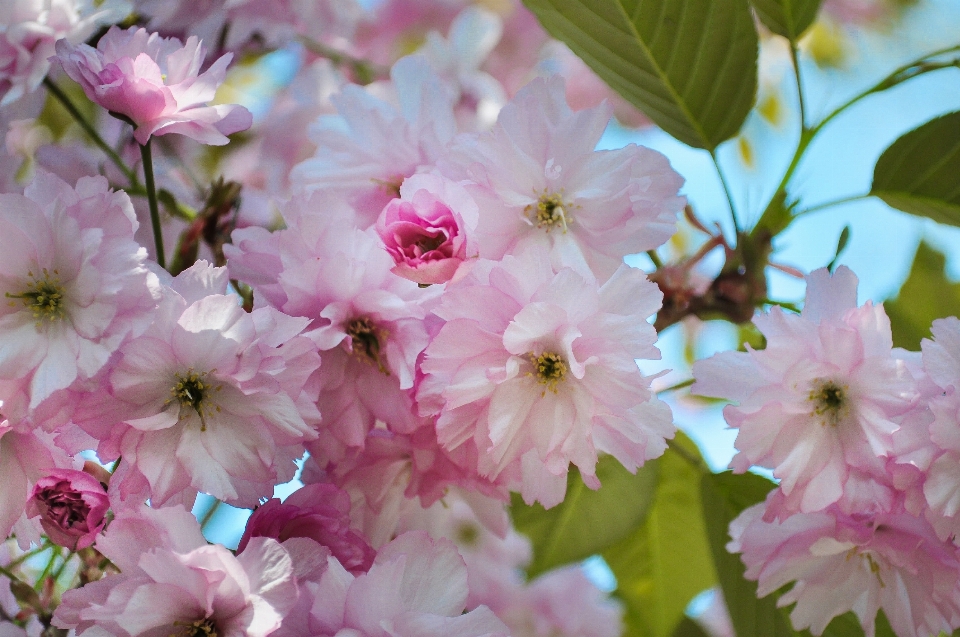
pixel 689 628
pixel 587 521
pixel 927 294
pixel 690 65
pixel 724 496
pixel 918 173
pixel 789 18
pixel 666 561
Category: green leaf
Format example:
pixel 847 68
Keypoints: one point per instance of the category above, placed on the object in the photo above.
pixel 666 561
pixel 789 18
pixel 690 65
pixel 724 496
pixel 918 173
pixel 841 246
pixel 689 628
pixel 587 521
pixel 927 294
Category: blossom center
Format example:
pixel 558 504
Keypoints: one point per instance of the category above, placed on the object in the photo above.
pixel 43 296
pixel 549 212
pixel 830 401
pixel 429 244
pixel 550 369
pixel 190 391
pixel 198 628
pixel 365 341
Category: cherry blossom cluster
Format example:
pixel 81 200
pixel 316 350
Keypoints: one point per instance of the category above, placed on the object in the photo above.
pixel 423 298
pixel 862 438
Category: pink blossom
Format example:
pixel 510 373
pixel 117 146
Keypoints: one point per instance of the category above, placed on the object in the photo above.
pixel 72 506
pixel 416 587
pixel 395 475
pixel 202 589
pixel 211 398
pixel 155 83
pixel 25 458
pixel 537 367
pixel 863 563
pixel 820 404
pixel 319 512
pixel 426 230
pixel 538 179
pixel 276 22
pixel 28 31
pixel 367 323
pixel 382 135
pixel 74 281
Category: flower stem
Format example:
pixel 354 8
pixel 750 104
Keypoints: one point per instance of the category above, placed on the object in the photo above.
pixel 727 192
pixel 71 108
pixel 796 70
pixel 152 200
pixel 830 204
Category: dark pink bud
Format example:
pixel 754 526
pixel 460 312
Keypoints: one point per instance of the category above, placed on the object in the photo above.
pixel 425 230
pixel 72 506
pixel 319 512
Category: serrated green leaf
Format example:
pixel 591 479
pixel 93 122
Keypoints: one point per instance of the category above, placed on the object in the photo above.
pixel 666 561
pixel 918 172
pixel 789 18
pixel 724 496
pixel 927 294
pixel 689 65
pixel 587 521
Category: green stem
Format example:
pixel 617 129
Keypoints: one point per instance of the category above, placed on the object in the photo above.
pixel 71 108
pixel 830 204
pixel 796 71
pixel 727 192
pixel 152 200
pixel 364 69
pixel 679 385
pixel 208 515
pixel 900 75
pixel 54 554
pixel 17 561
pixel 691 459
pixel 657 263
pixel 9 575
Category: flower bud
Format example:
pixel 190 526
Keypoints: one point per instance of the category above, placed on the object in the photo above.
pixel 319 512
pixel 425 230
pixel 72 506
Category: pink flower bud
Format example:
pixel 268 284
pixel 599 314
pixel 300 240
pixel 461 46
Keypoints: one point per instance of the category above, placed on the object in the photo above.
pixel 425 230
pixel 71 505
pixel 319 512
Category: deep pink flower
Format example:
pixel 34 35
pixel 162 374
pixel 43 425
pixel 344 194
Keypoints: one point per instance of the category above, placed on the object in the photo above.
pixel 72 506
pixel 426 230
pixel 156 83
pixel 319 512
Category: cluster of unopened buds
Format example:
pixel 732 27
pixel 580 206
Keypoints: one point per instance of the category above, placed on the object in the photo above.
pixel 441 315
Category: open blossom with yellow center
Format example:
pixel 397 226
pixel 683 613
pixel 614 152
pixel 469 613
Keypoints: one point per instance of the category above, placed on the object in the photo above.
pixel 537 178
pixel 72 282
pixel 543 374
pixel 820 403
pixel 212 398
